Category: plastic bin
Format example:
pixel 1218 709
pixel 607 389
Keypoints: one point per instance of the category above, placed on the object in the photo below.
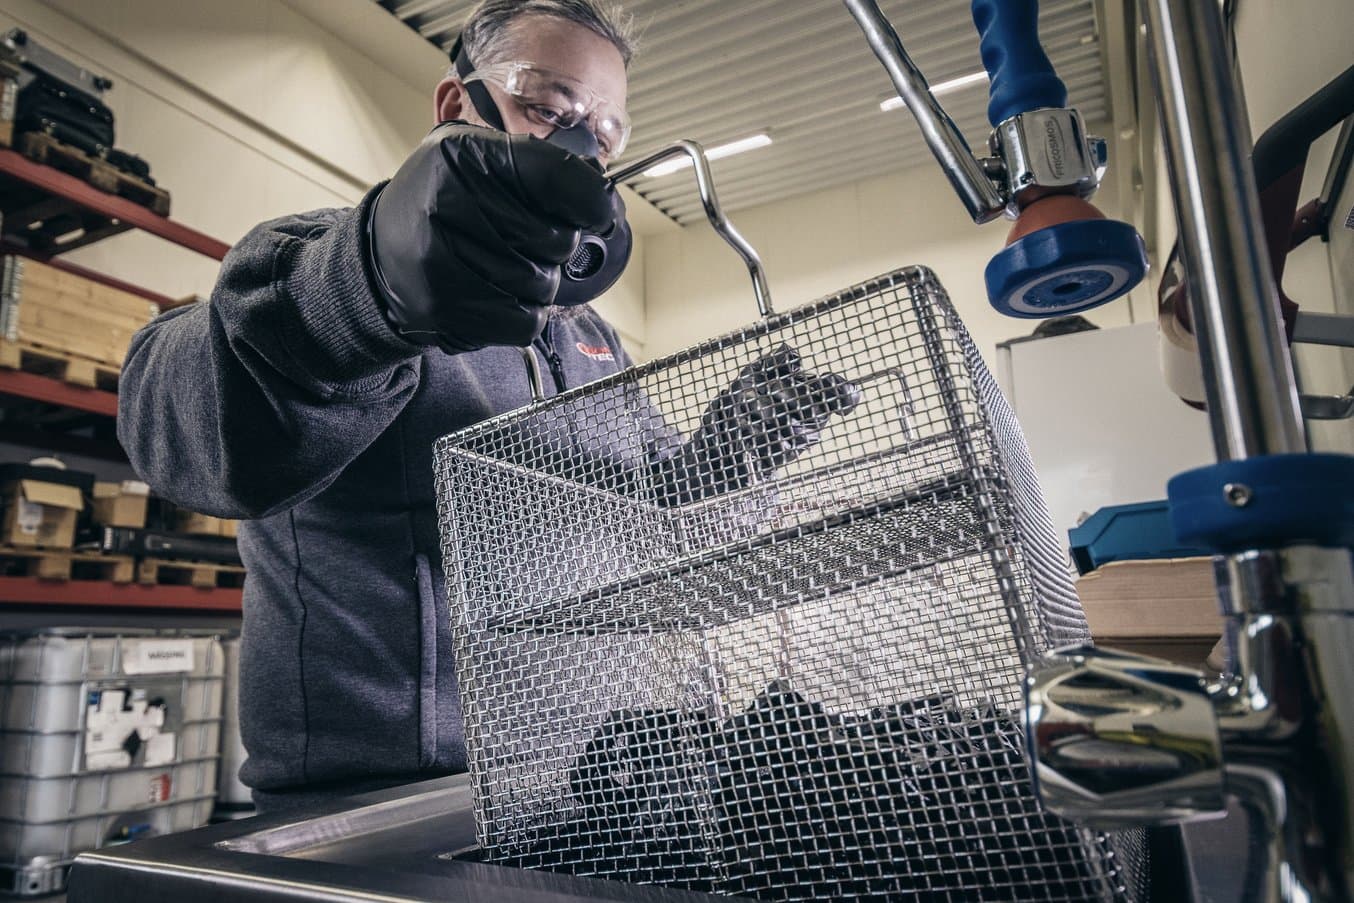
pixel 1127 533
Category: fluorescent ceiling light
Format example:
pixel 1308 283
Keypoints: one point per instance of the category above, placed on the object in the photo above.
pixel 954 84
pixel 668 167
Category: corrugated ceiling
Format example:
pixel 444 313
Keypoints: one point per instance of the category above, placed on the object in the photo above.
pixel 719 70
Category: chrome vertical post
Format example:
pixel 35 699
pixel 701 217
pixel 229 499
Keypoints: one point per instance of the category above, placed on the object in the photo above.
pixel 1248 376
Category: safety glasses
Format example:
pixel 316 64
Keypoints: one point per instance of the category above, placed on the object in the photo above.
pixel 552 99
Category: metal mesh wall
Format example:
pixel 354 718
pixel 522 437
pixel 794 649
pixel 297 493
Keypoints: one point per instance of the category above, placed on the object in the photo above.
pixel 681 666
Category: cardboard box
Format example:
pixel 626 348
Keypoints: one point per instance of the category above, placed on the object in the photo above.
pixel 120 504
pixel 10 68
pixel 38 513
pixel 1166 608
pixel 1173 598
pixel 197 524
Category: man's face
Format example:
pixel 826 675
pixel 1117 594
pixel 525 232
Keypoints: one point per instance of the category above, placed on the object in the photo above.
pixel 563 47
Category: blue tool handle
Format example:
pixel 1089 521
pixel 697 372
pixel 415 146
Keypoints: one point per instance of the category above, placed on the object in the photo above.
pixel 1022 77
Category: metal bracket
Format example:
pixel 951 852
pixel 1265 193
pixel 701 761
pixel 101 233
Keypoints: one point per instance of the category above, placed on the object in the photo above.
pixel 1047 152
pixel 1039 152
pixel 1324 329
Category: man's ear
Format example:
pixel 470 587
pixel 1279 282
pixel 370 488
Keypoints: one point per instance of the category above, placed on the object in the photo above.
pixel 450 99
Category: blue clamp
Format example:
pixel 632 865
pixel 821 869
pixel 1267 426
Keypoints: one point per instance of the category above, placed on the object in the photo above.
pixel 1267 502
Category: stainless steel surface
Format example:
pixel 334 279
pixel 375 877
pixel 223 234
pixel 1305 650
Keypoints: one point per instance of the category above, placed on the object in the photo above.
pixel 1222 855
pixel 718 71
pixel 805 687
pixel 1289 711
pixel 1123 740
pixel 403 845
pixel 1276 831
pixel 980 197
pixel 714 212
pixel 1248 376
pixel 1047 151
pixel 1284 714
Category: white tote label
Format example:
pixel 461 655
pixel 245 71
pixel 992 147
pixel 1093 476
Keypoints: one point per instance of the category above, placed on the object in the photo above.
pixel 29 517
pixel 158 656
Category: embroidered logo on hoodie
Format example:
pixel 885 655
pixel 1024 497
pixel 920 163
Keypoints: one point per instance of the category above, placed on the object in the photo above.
pixel 596 352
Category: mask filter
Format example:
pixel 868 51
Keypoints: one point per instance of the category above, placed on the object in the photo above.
pixel 599 260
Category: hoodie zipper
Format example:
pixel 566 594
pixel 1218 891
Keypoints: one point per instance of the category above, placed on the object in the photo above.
pixel 552 357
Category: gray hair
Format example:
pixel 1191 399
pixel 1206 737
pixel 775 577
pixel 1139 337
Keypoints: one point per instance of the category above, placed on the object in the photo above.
pixel 488 38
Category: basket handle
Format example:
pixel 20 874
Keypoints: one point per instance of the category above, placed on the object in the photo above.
pixel 705 184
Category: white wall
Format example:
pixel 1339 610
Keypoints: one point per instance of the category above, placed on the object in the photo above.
pixel 253 109
pixel 821 243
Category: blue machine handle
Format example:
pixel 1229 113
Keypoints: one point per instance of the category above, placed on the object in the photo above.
pixel 1022 77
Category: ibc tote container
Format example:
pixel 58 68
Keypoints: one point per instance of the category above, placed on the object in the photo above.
pixel 105 736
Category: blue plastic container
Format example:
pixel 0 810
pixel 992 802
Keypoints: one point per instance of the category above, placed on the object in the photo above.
pixel 1128 533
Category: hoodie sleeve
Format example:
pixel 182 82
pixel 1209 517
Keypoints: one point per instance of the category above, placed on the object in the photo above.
pixel 258 399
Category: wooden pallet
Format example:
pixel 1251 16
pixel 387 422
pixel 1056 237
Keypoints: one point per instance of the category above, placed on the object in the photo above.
pixel 43 148
pixel 71 368
pixel 64 564
pixel 201 574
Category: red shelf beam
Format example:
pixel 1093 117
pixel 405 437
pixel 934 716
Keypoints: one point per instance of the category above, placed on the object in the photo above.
pixel 102 594
pixel 54 391
pixel 67 186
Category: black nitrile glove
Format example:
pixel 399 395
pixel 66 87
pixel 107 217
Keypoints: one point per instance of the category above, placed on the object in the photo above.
pixel 467 239
pixel 767 418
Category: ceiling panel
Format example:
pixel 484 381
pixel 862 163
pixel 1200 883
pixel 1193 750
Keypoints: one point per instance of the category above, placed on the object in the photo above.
pixel 799 70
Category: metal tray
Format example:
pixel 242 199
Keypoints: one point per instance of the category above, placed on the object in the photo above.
pixel 413 843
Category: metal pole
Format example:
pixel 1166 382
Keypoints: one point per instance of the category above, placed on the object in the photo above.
pixel 982 199
pixel 1248 377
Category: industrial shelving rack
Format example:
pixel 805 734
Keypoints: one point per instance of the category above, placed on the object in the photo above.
pixel 31 193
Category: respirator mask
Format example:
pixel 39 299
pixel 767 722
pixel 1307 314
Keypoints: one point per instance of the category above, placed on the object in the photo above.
pixel 599 260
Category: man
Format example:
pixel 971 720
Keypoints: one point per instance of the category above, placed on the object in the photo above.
pixel 306 396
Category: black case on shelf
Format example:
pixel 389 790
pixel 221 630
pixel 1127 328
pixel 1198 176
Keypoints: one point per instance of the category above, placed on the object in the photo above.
pixel 160 544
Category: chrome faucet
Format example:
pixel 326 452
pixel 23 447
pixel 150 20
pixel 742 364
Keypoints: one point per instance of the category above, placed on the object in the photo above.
pixel 1124 740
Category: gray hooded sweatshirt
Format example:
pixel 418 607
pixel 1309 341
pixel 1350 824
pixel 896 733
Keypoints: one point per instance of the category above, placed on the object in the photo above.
pixel 288 401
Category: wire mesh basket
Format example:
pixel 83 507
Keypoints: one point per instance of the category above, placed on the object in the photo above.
pixel 791 683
